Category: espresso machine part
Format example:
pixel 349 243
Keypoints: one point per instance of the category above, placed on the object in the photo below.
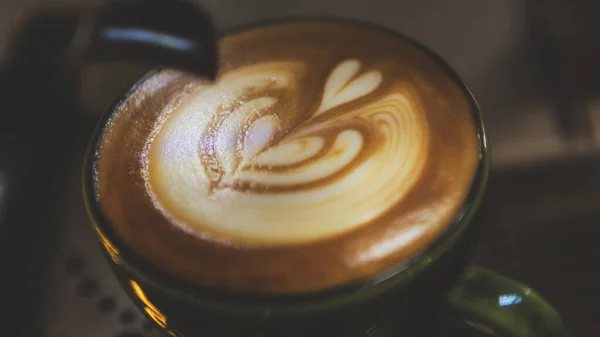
pixel 39 84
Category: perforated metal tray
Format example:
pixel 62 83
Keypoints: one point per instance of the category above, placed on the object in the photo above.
pixel 83 297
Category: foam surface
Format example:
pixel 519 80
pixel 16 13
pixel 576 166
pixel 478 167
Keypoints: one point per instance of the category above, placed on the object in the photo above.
pixel 228 161
pixel 325 153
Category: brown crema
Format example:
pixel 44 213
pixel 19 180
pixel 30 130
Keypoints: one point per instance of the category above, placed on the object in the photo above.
pixel 326 153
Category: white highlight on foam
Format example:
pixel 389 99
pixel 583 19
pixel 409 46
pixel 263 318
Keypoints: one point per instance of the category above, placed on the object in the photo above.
pixel 230 129
pixel 390 244
pixel 258 136
pixel 303 190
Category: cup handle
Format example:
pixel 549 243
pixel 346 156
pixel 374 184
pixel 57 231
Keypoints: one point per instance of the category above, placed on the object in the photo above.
pixel 485 303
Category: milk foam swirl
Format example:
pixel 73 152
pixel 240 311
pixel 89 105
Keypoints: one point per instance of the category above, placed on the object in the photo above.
pixel 245 161
pixel 326 153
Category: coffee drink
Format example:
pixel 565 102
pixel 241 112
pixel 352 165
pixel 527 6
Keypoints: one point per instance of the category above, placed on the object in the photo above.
pixel 326 153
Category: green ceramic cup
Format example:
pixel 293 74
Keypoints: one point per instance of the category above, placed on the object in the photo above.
pixel 434 294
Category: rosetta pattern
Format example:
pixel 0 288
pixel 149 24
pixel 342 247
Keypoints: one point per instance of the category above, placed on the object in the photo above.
pixel 240 162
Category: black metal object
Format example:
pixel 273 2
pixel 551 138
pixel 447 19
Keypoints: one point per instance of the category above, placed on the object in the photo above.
pixel 162 33
pixel 40 120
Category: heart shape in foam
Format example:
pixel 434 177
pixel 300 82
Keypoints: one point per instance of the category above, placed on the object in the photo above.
pixel 344 86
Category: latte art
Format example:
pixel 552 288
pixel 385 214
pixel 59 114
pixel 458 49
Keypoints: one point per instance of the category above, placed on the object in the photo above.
pixel 291 177
pixel 323 154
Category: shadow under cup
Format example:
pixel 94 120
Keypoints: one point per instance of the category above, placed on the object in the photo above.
pixel 406 302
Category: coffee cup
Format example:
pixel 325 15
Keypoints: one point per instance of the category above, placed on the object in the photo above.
pixel 328 183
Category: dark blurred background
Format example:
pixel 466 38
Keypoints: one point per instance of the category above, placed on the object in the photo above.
pixel 534 67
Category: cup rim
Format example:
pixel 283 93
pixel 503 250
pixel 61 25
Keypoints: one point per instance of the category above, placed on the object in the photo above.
pixel 342 295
